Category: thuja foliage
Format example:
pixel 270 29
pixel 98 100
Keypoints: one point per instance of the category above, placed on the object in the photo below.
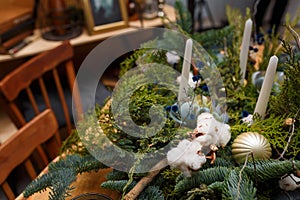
pixel 225 179
pixel 276 131
pixel 288 100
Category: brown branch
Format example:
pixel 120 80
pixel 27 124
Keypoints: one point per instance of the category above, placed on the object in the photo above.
pixel 295 35
pixel 142 184
pixel 290 137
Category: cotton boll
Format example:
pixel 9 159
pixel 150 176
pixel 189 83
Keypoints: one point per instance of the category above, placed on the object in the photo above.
pixel 185 157
pixel 194 147
pixel 288 183
pixel 183 144
pixel 204 140
pixel 204 126
pixel 195 161
pixel 204 116
pixel 224 136
pixel 172 57
pixel 222 133
pixel 189 146
pixel 204 123
pixel 248 120
pixel 211 131
pixel 175 157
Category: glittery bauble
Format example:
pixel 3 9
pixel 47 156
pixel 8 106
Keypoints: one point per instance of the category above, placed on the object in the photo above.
pixel 249 142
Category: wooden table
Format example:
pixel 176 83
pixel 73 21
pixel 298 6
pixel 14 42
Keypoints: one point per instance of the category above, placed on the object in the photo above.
pixel 88 182
pixel 40 44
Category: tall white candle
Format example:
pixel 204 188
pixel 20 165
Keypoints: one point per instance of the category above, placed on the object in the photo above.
pixel 264 94
pixel 245 48
pixel 183 87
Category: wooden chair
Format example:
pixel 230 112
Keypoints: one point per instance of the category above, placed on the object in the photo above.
pixel 36 79
pixel 17 149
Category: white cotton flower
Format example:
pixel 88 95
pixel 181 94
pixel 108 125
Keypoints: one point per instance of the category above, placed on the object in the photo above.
pixel 205 116
pixel 183 144
pixel 211 131
pixel 174 157
pixel 224 136
pixel 186 157
pixel 172 57
pixel 289 182
pixel 195 161
pixel 248 120
pixel 205 140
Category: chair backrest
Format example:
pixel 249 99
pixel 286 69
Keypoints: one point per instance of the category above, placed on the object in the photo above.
pixel 40 81
pixel 17 149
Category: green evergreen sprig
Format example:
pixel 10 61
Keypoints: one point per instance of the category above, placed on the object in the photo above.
pixel 151 192
pixel 288 100
pixel 207 176
pixel 238 186
pixel 183 17
pixel 118 185
pixel 271 169
pixel 61 174
pixel 225 179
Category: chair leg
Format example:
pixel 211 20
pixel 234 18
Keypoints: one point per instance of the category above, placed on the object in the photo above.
pixel 53 146
pixel 30 169
pixel 7 190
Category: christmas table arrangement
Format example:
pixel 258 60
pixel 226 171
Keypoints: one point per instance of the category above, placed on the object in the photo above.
pixel 230 116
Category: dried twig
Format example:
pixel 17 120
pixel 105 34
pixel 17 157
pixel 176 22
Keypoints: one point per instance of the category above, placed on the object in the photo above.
pixel 142 184
pixel 290 137
pixel 240 176
pixel 295 35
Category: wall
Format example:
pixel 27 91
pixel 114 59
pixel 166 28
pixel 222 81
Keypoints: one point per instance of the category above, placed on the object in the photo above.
pixel 218 7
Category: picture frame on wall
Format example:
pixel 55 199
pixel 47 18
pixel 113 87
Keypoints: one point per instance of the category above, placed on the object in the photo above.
pixel 104 15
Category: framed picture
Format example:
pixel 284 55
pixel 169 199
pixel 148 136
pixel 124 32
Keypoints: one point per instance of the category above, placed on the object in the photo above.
pixel 105 15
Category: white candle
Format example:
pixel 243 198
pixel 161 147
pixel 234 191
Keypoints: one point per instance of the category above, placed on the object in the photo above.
pixel 245 48
pixel 264 94
pixel 183 87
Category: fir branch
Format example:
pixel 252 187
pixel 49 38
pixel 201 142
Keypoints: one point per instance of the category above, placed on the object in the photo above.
pixel 150 193
pixel 206 176
pixel 203 191
pixel 217 186
pixel 246 189
pixel 79 163
pixel 118 185
pixel 213 40
pixel 221 161
pixel 59 182
pixel 61 189
pixel 116 175
pixel 270 169
pixel 183 16
pixel 241 174
pixel 61 174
